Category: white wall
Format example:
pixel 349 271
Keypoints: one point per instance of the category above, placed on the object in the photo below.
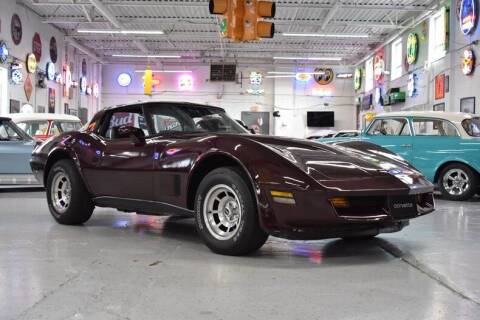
pixel 31 24
pixel 288 96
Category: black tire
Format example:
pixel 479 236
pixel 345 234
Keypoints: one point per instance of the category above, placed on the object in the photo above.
pixel 472 182
pixel 80 206
pixel 247 236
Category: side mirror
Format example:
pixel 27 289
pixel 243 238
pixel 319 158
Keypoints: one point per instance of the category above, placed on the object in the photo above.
pixel 135 134
pixel 252 131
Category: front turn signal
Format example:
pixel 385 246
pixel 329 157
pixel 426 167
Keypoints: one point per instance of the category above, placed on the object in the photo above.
pixel 339 202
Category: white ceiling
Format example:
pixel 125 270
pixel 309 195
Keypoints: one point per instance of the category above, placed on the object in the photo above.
pixel 192 32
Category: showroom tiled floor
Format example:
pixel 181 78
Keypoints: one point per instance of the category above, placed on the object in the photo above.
pixel 127 266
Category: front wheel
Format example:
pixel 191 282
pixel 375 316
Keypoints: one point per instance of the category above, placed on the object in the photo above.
pixel 67 197
pixel 458 182
pixel 226 214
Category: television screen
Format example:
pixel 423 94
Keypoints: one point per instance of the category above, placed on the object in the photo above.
pixel 320 119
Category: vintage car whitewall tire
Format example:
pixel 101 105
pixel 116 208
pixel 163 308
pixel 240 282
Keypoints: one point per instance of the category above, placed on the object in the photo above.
pixel 458 182
pixel 67 197
pixel 226 213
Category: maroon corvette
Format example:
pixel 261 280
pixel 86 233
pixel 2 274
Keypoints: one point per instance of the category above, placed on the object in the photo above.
pixel 167 158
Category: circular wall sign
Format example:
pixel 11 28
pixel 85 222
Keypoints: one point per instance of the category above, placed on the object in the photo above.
pixel 83 84
pixel 37 46
pixel 323 76
pixel 468 16
pixel 468 62
pixel 357 79
pixel 124 79
pixel 3 52
pixel 16 29
pixel 50 71
pixel 53 50
pixel 31 63
pixel 412 48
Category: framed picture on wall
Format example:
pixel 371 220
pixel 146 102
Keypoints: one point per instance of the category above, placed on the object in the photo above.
pixel 40 109
pixel 14 106
pixel 51 100
pixel 467 105
pixel 66 108
pixel 440 86
pixel 439 107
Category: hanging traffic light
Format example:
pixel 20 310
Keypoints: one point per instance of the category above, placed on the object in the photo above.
pixel 147 81
pixel 242 19
pixel 254 26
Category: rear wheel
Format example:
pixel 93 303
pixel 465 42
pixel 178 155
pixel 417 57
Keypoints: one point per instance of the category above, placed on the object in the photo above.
pixel 67 197
pixel 226 213
pixel 458 182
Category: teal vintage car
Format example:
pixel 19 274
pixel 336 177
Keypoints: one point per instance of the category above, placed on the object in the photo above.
pixel 445 147
pixel 16 148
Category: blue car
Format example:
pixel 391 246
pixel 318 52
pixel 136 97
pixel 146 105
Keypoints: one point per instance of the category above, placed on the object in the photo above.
pixel 444 147
pixel 15 152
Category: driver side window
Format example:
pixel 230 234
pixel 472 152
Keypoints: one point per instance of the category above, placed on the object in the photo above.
pixel 7 133
pixel 389 127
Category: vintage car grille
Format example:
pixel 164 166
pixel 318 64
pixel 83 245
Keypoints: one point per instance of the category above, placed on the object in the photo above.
pixel 376 207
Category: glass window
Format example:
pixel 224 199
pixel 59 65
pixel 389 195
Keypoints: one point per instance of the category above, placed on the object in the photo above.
pixel 397 58
pixel 438 35
pixel 34 128
pixel 8 132
pixel 133 119
pixel 389 127
pixel 64 126
pixel 191 119
pixel 472 126
pixel 369 75
pixel 434 127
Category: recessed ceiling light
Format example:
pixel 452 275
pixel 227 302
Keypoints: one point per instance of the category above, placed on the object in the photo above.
pixel 144 56
pixel 119 31
pixel 327 35
pixel 309 58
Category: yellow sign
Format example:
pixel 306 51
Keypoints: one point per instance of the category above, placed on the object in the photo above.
pixel 147 82
pixel 31 63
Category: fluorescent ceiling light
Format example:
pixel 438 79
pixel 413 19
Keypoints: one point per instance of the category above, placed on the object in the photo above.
pixel 144 56
pixel 282 76
pixel 294 73
pixel 327 35
pixel 345 75
pixel 166 71
pixel 119 31
pixel 309 58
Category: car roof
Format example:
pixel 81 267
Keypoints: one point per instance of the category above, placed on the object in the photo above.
pixel 176 103
pixel 16 117
pixel 452 116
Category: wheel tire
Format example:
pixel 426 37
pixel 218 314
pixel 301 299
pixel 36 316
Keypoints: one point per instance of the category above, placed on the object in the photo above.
pixel 247 235
pixel 469 175
pixel 73 206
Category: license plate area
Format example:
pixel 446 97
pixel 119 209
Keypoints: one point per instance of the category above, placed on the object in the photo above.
pixel 402 207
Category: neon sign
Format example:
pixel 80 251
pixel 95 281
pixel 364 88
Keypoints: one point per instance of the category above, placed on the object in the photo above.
pixel 468 62
pixel 124 79
pixel 357 80
pixel 468 16
pixel 185 82
pixel 412 48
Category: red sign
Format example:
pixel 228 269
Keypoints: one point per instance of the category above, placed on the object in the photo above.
pixel 27 86
pixel 440 86
pixel 37 46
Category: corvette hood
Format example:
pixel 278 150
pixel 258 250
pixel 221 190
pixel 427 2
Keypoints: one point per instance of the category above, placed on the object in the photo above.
pixel 324 162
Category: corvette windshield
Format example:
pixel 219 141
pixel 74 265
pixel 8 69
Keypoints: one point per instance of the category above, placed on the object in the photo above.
pixel 192 119
pixel 472 126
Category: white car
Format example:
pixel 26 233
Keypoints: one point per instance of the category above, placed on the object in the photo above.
pixel 44 125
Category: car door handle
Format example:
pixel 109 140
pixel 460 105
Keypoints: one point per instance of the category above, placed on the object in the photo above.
pixel 406 145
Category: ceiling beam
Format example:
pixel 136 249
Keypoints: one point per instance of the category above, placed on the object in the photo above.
pixel 83 49
pixel 280 4
pixel 331 13
pixel 106 13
